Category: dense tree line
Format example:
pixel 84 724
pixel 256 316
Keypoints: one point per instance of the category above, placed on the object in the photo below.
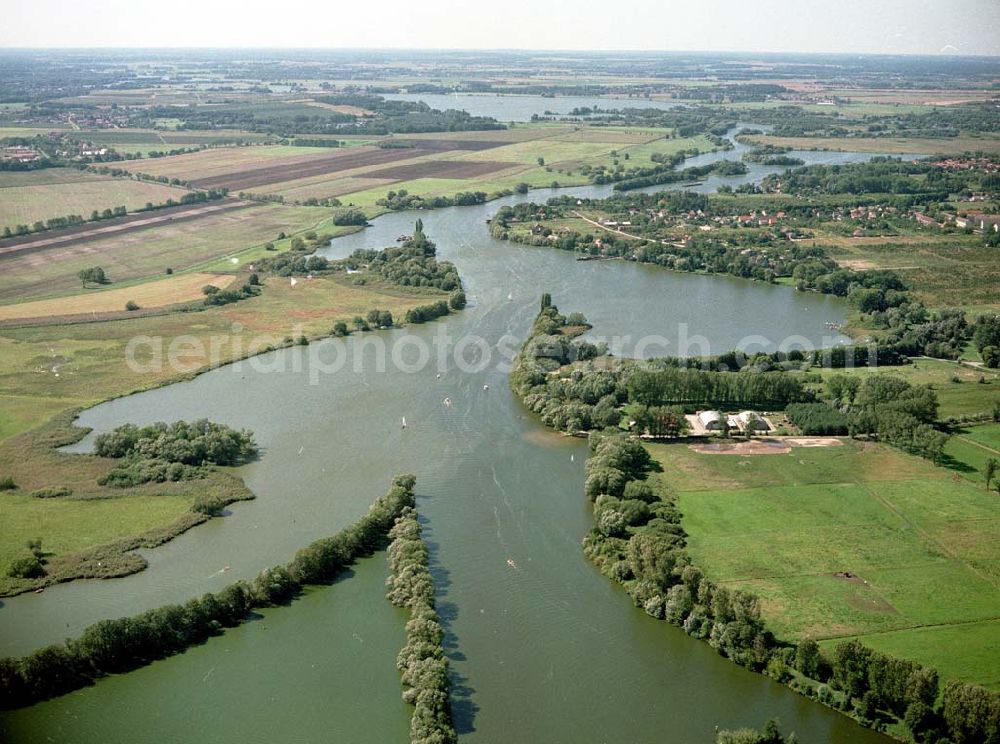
pixel 638 541
pixel 71 220
pixel 898 413
pixel 817 419
pixel 880 175
pixel 745 389
pixel 666 174
pixel 115 646
pixel 421 661
pixel 403 200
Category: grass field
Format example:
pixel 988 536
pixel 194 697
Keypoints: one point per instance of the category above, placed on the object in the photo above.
pixel 26 197
pixel 148 295
pixel 919 544
pixel 916 145
pixel 968 396
pixel 970 447
pixel 944 270
pixel 147 253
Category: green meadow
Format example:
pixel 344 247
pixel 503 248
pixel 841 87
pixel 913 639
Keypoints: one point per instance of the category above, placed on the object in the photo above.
pixel 856 540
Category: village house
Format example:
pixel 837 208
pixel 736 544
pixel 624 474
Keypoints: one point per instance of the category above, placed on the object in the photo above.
pixel 20 154
pixel 923 219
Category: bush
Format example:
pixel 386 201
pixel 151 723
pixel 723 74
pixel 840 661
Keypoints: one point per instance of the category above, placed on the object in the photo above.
pixel 27 566
pixel 349 216
pixel 131 305
pixel 7 484
pixel 52 493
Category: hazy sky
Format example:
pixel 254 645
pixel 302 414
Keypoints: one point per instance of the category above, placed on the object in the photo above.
pixel 867 26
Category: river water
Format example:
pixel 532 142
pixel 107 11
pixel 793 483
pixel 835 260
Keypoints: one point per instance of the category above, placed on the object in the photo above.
pixel 544 650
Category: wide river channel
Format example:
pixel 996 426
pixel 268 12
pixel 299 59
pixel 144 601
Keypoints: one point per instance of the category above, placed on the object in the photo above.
pixel 543 648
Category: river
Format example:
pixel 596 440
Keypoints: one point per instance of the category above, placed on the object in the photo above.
pixel 544 650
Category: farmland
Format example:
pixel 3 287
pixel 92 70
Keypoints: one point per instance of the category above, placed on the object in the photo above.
pixel 148 295
pixel 27 197
pixel 850 541
pixel 146 252
pixel 424 165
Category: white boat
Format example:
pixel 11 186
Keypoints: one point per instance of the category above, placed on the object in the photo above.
pixel 486 387
pixel 404 422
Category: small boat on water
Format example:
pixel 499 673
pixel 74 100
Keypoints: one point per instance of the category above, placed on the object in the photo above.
pixel 39 590
pixel 486 387
pixel 404 238
pixel 404 422
pixel 447 402
pixel 510 562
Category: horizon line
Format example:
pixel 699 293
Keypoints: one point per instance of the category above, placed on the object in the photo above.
pixel 584 52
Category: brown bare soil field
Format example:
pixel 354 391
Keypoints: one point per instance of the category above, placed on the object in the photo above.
pixel 358 157
pixel 100 230
pixel 753 447
pixel 442 169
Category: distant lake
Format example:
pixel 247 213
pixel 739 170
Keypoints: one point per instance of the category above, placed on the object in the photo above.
pixel 520 108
